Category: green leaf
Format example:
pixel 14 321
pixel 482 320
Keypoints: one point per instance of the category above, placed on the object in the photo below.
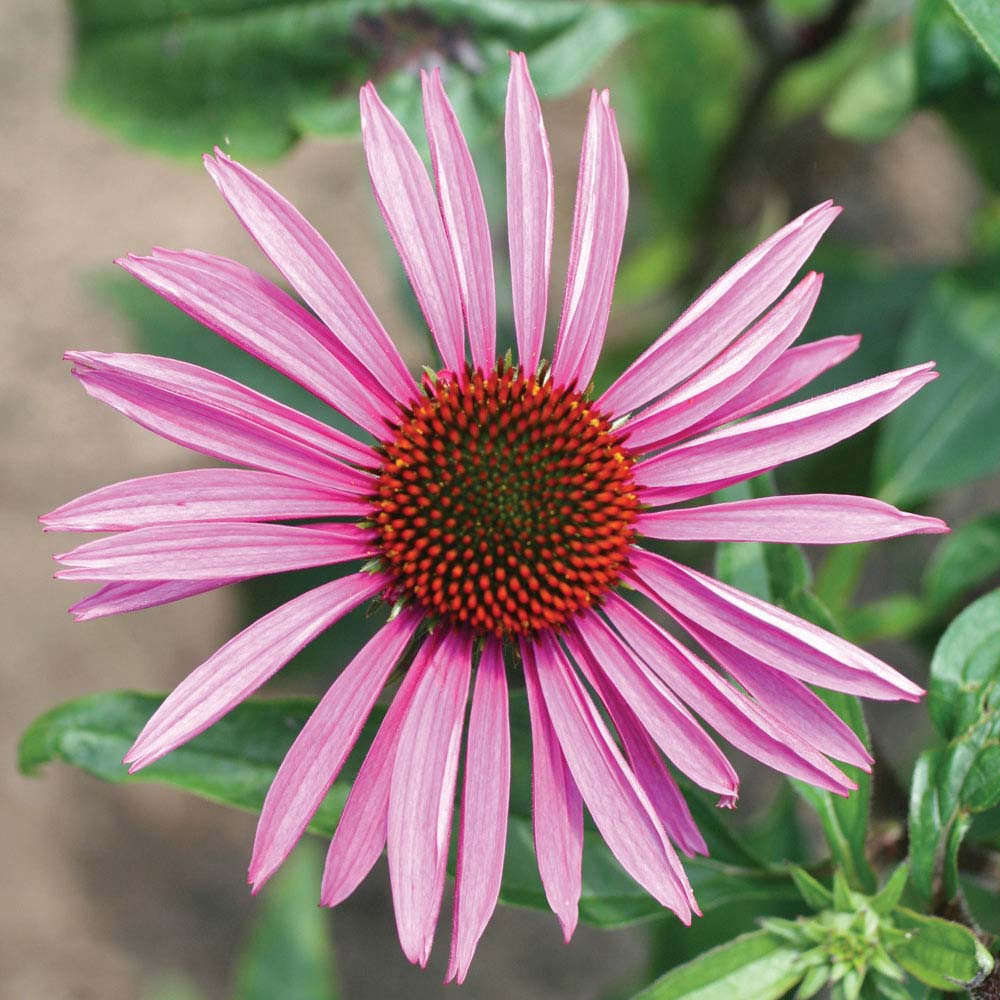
pixel 892 617
pixel 876 98
pixel 982 21
pixel 963 561
pixel 813 892
pixel 289 953
pixel 942 954
pixel 888 897
pixel 935 441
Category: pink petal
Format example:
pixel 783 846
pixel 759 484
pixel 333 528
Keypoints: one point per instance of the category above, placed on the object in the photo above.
pixel 720 313
pixel 782 640
pixel 619 806
pixel 733 370
pixel 213 550
pixel 735 717
pixel 406 199
pixel 363 825
pixel 819 519
pixel 464 216
pixel 596 243
pixel 250 312
pixel 668 722
pixel 422 794
pixel 800 710
pixel 315 758
pixel 208 413
pixel 119 598
pixel 314 270
pixel 760 443
pixel 529 211
pixel 244 663
pixel 483 834
pixel 557 808
pixel 200 495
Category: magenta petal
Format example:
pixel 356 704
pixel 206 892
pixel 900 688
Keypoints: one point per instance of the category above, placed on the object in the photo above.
pixel 119 598
pixel 720 313
pixel 596 242
pixel 314 270
pixel 422 794
pixel 236 670
pixel 213 550
pixel 405 196
pixel 557 808
pixel 483 835
pixel 315 758
pixel 201 495
pixel 465 222
pixel 619 806
pixel 529 211
pixel 817 519
pixel 782 640
pixel 361 831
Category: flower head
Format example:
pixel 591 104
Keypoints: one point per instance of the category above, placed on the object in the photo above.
pixel 502 510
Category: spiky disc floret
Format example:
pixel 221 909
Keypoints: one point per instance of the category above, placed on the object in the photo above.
pixel 505 503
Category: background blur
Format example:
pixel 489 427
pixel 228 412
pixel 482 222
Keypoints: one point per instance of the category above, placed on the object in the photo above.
pixel 139 892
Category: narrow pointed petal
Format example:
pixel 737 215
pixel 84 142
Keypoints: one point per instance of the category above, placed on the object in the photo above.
pixel 720 313
pixel 252 313
pixel 213 415
pixel 800 710
pixel 119 598
pixel 739 365
pixel 422 795
pixel 556 808
pixel 213 551
pixel 464 214
pixel 616 801
pixel 314 271
pixel 244 663
pixel 485 799
pixel 761 443
pixel 596 242
pixel 361 831
pixel 200 495
pixel 689 748
pixel 736 718
pixel 782 640
pixel 406 199
pixel 315 758
pixel 813 519
pixel 529 211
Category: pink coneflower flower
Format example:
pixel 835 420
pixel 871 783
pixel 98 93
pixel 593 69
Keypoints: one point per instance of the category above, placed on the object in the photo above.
pixel 502 510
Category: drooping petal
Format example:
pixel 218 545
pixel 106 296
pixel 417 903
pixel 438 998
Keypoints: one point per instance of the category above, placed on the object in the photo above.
pixel 816 519
pixel 119 598
pixel 213 550
pixel 252 313
pixel 205 412
pixel 406 199
pixel 236 670
pixel 761 443
pixel 619 806
pixel 361 831
pixel 529 211
pixel 315 758
pixel 314 271
pixel 736 718
pixel 689 748
pixel 556 808
pixel 596 242
pixel 485 799
pixel 733 370
pixel 782 640
pixel 465 222
pixel 422 794
pixel 720 313
pixel 200 495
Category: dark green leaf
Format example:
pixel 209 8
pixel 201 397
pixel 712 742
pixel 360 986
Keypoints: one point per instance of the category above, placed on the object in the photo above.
pixel 289 953
pixel 813 892
pixel 756 966
pixel 964 560
pixel 940 953
pixel 982 20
